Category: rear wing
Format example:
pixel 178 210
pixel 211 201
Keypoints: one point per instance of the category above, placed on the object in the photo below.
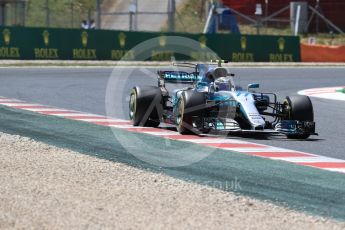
pixel 178 76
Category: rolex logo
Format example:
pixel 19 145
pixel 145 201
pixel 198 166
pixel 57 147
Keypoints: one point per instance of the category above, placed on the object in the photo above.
pixel 243 43
pixel 6 33
pixel 45 35
pixel 281 44
pixel 203 42
pixel 122 39
pixel 162 41
pixel 84 38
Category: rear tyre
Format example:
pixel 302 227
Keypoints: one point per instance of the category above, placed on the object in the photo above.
pixel 299 108
pixel 145 106
pixel 190 104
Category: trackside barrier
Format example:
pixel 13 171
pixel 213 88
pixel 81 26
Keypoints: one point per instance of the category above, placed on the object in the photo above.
pixel 73 44
pixel 322 53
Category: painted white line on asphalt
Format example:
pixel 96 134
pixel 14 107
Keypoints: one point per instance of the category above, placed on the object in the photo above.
pixel 246 150
pixel 4 100
pixel 331 96
pixel 127 127
pixel 119 120
pixel 270 149
pixel 214 141
pixel 122 126
pixel 20 104
pixel 325 93
pixel 161 133
pixel 318 159
pixel 84 115
pixel 47 109
pixel 341 170
pixel 100 120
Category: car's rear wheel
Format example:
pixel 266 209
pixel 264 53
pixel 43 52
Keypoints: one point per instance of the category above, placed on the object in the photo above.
pixel 298 108
pixel 145 106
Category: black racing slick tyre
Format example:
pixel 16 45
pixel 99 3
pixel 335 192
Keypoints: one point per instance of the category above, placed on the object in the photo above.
pixel 145 106
pixel 299 108
pixel 190 104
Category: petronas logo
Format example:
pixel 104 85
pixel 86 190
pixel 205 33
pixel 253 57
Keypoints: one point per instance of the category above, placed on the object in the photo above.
pixel 243 43
pixel 162 41
pixel 45 35
pixel 281 44
pixel 122 39
pixel 6 33
pixel 203 42
pixel 84 38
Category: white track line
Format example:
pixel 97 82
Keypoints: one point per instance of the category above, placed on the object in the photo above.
pixel 341 170
pixel 47 109
pixel 319 159
pixel 19 104
pixel 325 93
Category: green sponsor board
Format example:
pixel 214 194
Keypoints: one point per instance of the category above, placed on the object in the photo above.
pixel 75 44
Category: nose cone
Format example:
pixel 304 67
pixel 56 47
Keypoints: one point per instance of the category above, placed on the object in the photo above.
pixel 250 111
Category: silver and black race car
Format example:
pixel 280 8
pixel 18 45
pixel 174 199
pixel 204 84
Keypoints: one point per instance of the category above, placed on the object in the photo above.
pixel 212 102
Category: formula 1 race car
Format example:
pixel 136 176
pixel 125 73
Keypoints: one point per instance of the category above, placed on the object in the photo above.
pixel 212 102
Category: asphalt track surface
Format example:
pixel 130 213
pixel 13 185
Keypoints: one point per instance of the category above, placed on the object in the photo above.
pixel 84 89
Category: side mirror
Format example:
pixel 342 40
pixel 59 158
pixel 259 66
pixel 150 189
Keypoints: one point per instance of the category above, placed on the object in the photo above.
pixel 253 86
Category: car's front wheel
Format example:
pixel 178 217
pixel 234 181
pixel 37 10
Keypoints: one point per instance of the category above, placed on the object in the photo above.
pixel 298 108
pixel 190 104
pixel 184 122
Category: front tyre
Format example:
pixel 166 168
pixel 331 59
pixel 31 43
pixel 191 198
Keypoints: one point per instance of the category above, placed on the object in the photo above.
pixel 299 108
pixel 184 122
pixel 190 105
